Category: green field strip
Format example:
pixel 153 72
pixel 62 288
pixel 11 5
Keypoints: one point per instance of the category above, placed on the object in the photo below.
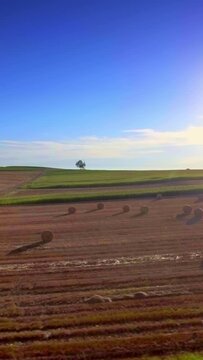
pixel 96 196
pixel 54 179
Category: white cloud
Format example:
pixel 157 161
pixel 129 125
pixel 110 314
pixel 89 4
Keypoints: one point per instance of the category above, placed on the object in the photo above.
pixel 192 135
pixel 148 144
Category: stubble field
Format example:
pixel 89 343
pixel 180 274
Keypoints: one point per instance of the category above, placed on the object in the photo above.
pixel 146 267
pixel 12 180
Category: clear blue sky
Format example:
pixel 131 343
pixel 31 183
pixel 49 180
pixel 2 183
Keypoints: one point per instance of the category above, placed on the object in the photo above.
pixel 71 69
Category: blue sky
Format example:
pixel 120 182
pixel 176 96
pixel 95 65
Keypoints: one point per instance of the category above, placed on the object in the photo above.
pixel 80 77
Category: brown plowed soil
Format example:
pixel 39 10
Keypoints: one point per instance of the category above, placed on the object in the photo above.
pixel 43 314
pixel 11 180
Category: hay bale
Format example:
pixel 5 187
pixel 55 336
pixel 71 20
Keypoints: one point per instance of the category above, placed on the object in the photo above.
pixel 187 209
pixel 47 236
pixel 126 208
pixel 71 210
pixel 144 210
pixel 198 212
pixel 140 295
pixel 100 206
pixel 159 196
pixel 95 299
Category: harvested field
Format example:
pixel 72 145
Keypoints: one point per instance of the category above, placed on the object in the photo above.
pixel 11 180
pixel 147 271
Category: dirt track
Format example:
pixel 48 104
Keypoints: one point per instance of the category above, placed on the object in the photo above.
pixel 11 180
pixel 108 253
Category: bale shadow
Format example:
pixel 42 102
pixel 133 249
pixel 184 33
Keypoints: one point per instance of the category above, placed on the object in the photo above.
pixel 198 201
pixel 157 200
pixel 61 215
pixel 181 216
pixel 119 213
pixel 28 247
pixel 138 215
pixel 91 211
pixel 193 220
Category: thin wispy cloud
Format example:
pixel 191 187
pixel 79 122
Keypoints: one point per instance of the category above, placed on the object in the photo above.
pixel 133 144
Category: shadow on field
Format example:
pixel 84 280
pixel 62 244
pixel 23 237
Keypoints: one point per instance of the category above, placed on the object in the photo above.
pixel 118 213
pixel 181 216
pixel 46 237
pixel 193 220
pixel 199 200
pixel 65 214
pixel 91 211
pixel 139 214
pixel 156 200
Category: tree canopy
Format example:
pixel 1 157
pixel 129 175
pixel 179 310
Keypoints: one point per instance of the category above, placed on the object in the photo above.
pixel 80 164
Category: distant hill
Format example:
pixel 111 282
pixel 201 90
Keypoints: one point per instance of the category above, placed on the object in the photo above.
pixel 24 168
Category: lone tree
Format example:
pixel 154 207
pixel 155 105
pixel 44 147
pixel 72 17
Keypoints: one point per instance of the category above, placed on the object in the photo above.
pixel 80 164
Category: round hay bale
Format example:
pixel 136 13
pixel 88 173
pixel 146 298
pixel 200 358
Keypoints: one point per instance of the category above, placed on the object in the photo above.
pixel 100 206
pixel 144 210
pixel 159 196
pixel 95 299
pixel 126 208
pixel 198 212
pixel 71 210
pixel 46 236
pixel 187 209
pixel 140 295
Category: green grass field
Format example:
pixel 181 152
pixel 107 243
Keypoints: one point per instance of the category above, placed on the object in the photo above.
pixel 56 178
pixel 96 196
pixel 59 179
